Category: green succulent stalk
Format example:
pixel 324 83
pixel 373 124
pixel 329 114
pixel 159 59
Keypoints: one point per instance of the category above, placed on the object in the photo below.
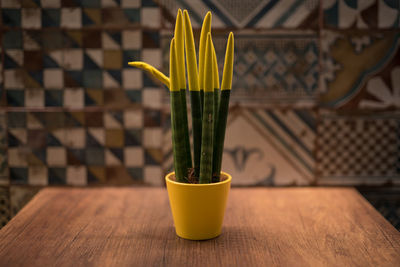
pixel 208 116
pixel 194 90
pixel 178 132
pixel 226 87
pixel 209 103
pixel 216 105
pixel 180 53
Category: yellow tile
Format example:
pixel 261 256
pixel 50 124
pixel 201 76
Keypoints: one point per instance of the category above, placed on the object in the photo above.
pixel 114 138
pixel 112 59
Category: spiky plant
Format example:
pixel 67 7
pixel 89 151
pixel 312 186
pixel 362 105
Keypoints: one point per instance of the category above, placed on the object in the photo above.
pixel 209 101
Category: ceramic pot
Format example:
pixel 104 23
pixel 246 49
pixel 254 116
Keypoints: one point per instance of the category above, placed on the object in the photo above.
pixel 198 209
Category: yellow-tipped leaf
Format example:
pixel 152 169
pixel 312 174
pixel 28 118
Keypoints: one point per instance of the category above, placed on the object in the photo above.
pixel 180 53
pixel 228 65
pixel 190 49
pixel 150 69
pixel 173 68
pixel 205 29
pixel 208 66
pixel 215 68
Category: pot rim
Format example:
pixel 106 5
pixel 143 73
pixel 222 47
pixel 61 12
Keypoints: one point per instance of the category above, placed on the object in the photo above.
pixel 168 180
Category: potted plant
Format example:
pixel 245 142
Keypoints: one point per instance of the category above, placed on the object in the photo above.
pixel 197 190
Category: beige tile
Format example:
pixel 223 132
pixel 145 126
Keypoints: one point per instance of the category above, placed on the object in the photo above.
pixel 76 175
pixel 133 156
pixel 31 18
pixel 56 156
pixel 153 175
pixel 37 175
pixel 133 118
pixel 132 39
pixel 132 79
pixel 71 18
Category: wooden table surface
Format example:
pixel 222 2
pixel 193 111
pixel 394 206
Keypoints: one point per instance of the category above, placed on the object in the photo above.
pixel 263 227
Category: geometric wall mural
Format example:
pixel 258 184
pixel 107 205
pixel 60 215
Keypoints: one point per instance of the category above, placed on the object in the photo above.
pixel 271 147
pixel 358 150
pixel 271 69
pixel 351 78
pixel 258 14
pixel 80 148
pixel 382 14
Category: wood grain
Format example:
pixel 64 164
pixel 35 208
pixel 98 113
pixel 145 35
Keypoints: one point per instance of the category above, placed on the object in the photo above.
pixel 263 227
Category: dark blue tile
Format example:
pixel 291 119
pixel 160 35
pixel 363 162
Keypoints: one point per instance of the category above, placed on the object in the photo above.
pixel 149 3
pixel 16 119
pixel 50 17
pixel 53 98
pixel 133 14
pixel 19 175
pixel 57 176
pixel 136 173
pixel 134 96
pixel 12 40
pixel 15 98
pixel 92 78
pixel 91 3
pixel 11 17
pixel 95 156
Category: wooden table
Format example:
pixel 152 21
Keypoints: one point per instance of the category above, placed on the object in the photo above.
pixel 263 227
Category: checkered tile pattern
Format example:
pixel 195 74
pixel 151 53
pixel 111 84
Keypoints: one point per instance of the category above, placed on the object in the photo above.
pixel 359 147
pixel 74 54
pixel 75 14
pixel 104 125
pixel 5 214
pixel 3 149
pixel 79 148
pixel 67 75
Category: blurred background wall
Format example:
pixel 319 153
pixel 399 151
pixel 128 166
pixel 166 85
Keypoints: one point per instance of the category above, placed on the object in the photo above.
pixel 315 99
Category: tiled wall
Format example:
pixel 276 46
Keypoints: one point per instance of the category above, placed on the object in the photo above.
pixel 315 99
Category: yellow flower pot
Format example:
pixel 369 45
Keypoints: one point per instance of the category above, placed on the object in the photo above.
pixel 198 209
